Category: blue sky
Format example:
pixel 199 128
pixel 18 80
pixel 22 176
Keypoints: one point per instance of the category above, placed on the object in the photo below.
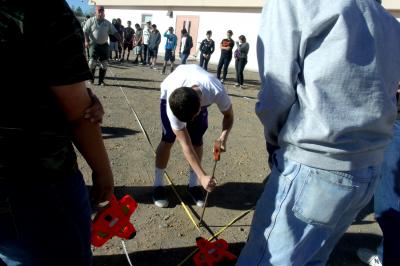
pixel 82 3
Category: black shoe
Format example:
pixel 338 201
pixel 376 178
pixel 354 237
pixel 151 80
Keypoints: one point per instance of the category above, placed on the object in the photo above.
pixel 102 75
pixel 198 195
pixel 160 197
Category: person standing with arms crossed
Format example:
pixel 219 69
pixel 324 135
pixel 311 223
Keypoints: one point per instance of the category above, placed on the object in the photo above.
pixel 226 56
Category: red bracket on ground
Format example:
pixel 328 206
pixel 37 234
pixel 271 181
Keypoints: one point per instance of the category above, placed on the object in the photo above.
pixel 113 220
pixel 212 253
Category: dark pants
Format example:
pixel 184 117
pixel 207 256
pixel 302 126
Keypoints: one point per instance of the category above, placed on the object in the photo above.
pixel 45 224
pixel 204 61
pixel 99 53
pixel 240 65
pixel 224 61
pixel 145 54
pixel 196 128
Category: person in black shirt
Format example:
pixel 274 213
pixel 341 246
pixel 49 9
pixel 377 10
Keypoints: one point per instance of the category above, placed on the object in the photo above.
pixel 207 48
pixel 129 33
pixel 44 204
pixel 114 42
pixel 120 28
pixel 226 55
pixel 241 60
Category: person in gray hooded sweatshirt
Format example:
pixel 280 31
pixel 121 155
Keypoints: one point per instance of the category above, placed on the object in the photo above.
pixel 329 72
pixel 154 43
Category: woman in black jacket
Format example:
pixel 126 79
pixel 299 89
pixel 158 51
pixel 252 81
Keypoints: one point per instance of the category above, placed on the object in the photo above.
pixel 241 59
pixel 207 47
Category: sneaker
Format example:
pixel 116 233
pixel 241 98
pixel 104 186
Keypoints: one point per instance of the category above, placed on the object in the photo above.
pixel 222 81
pixel 243 86
pixel 197 194
pixel 237 85
pixel 90 82
pixel 160 197
pixel 154 68
pixel 102 84
pixel 368 257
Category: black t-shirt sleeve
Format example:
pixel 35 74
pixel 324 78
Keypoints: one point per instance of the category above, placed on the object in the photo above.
pixel 65 61
pixel 232 44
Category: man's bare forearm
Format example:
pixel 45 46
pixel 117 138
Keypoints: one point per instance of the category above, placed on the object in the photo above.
pixel 88 139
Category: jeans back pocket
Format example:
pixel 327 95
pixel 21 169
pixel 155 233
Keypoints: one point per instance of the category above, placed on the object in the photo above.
pixel 324 197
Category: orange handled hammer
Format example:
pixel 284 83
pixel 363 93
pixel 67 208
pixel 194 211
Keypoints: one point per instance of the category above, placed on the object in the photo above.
pixel 217 157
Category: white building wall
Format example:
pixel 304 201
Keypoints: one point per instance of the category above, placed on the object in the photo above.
pixel 219 22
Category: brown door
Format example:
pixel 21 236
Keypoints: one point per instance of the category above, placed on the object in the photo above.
pixel 191 24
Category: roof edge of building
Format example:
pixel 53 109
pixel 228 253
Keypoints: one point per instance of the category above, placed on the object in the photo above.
pixel 188 8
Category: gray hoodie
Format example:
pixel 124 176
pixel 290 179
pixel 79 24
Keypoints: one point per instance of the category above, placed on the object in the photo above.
pixel 155 39
pixel 329 72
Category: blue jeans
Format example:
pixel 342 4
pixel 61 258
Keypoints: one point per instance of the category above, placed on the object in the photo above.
pixel 303 212
pixel 387 197
pixel 46 224
pixel 184 58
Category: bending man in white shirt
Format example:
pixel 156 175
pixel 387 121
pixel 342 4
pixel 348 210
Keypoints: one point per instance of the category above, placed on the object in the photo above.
pixel 185 95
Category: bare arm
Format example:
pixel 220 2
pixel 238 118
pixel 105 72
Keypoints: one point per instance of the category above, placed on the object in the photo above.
pixel 74 99
pixel 183 137
pixel 227 123
pixel 87 40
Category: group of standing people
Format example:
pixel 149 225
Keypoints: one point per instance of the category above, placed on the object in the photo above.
pixel 145 45
pixel 207 48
